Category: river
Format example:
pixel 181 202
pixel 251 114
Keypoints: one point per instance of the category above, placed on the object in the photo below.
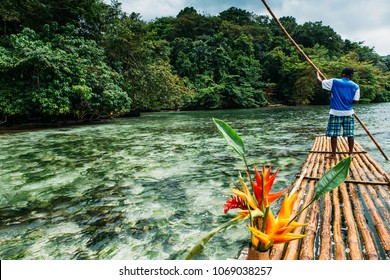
pixel 148 188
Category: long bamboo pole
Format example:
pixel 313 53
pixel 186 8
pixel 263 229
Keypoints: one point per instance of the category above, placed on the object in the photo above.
pixel 320 73
pixel 372 137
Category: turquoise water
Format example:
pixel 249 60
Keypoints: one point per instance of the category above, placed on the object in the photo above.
pixel 149 187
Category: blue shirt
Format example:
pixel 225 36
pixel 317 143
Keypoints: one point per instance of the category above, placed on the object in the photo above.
pixel 344 92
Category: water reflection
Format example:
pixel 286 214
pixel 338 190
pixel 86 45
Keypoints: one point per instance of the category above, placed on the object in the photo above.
pixel 148 188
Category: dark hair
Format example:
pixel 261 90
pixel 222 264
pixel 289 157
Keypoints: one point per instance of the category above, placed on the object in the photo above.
pixel 347 71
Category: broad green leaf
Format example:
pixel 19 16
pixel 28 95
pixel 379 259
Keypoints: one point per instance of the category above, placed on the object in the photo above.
pixel 231 136
pixel 200 245
pixel 333 178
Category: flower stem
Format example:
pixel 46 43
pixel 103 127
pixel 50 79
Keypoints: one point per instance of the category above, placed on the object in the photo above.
pixel 262 192
pixel 300 211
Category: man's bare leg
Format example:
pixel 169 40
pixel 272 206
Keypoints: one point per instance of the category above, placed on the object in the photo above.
pixel 351 143
pixel 333 144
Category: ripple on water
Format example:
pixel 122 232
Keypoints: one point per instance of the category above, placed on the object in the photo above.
pixel 148 187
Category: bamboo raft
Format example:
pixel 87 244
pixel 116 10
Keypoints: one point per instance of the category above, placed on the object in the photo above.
pixel 349 223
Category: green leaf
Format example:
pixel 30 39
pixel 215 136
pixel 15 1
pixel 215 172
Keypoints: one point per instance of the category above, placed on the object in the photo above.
pixel 231 136
pixel 200 245
pixel 333 178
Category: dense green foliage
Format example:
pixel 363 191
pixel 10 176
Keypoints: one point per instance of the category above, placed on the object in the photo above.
pixel 58 74
pixel 87 59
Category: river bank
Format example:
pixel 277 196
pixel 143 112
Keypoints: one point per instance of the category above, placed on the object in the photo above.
pixel 18 125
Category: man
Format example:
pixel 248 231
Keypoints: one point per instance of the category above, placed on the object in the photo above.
pixel 344 93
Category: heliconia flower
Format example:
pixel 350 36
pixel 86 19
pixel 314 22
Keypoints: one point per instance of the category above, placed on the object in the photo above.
pixel 287 206
pixel 234 203
pixel 245 195
pixel 278 230
pixel 242 200
pixel 268 182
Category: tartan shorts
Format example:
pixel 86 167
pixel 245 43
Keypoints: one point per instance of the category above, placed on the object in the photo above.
pixel 336 122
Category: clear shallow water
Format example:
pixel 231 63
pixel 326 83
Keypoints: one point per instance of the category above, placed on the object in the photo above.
pixel 149 187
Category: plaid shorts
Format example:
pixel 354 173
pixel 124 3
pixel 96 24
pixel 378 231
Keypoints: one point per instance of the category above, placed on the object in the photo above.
pixel 335 123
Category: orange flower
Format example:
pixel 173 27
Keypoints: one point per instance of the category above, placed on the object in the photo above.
pixel 278 230
pixel 268 182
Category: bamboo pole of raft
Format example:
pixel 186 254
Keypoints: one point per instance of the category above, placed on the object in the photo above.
pixel 307 247
pixel 377 170
pixel 352 235
pixel 380 175
pixel 370 197
pixel 339 250
pixel 372 204
pixel 307 243
pixel 320 73
pixel 368 241
pixel 374 183
pixel 376 192
pixel 353 241
pixel 299 187
pixel 291 249
pixel 308 190
pixel 325 235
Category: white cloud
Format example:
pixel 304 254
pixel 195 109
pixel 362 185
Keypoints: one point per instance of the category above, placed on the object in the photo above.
pixel 149 9
pixel 357 20
pixel 375 38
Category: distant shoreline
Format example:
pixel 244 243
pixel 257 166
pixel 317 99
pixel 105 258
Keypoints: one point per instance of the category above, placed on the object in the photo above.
pixel 26 125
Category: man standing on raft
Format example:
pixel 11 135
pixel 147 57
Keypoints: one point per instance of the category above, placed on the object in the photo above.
pixel 344 93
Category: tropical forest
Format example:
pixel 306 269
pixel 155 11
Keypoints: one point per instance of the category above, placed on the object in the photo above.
pixel 86 60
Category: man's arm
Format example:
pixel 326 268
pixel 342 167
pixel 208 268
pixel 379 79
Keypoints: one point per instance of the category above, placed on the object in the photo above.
pixel 319 79
pixel 356 98
pixel 326 84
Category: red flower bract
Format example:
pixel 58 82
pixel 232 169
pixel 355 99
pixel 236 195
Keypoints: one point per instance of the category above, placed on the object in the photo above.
pixel 268 182
pixel 234 203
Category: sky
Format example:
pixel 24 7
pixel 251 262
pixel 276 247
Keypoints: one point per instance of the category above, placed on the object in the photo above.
pixel 356 20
